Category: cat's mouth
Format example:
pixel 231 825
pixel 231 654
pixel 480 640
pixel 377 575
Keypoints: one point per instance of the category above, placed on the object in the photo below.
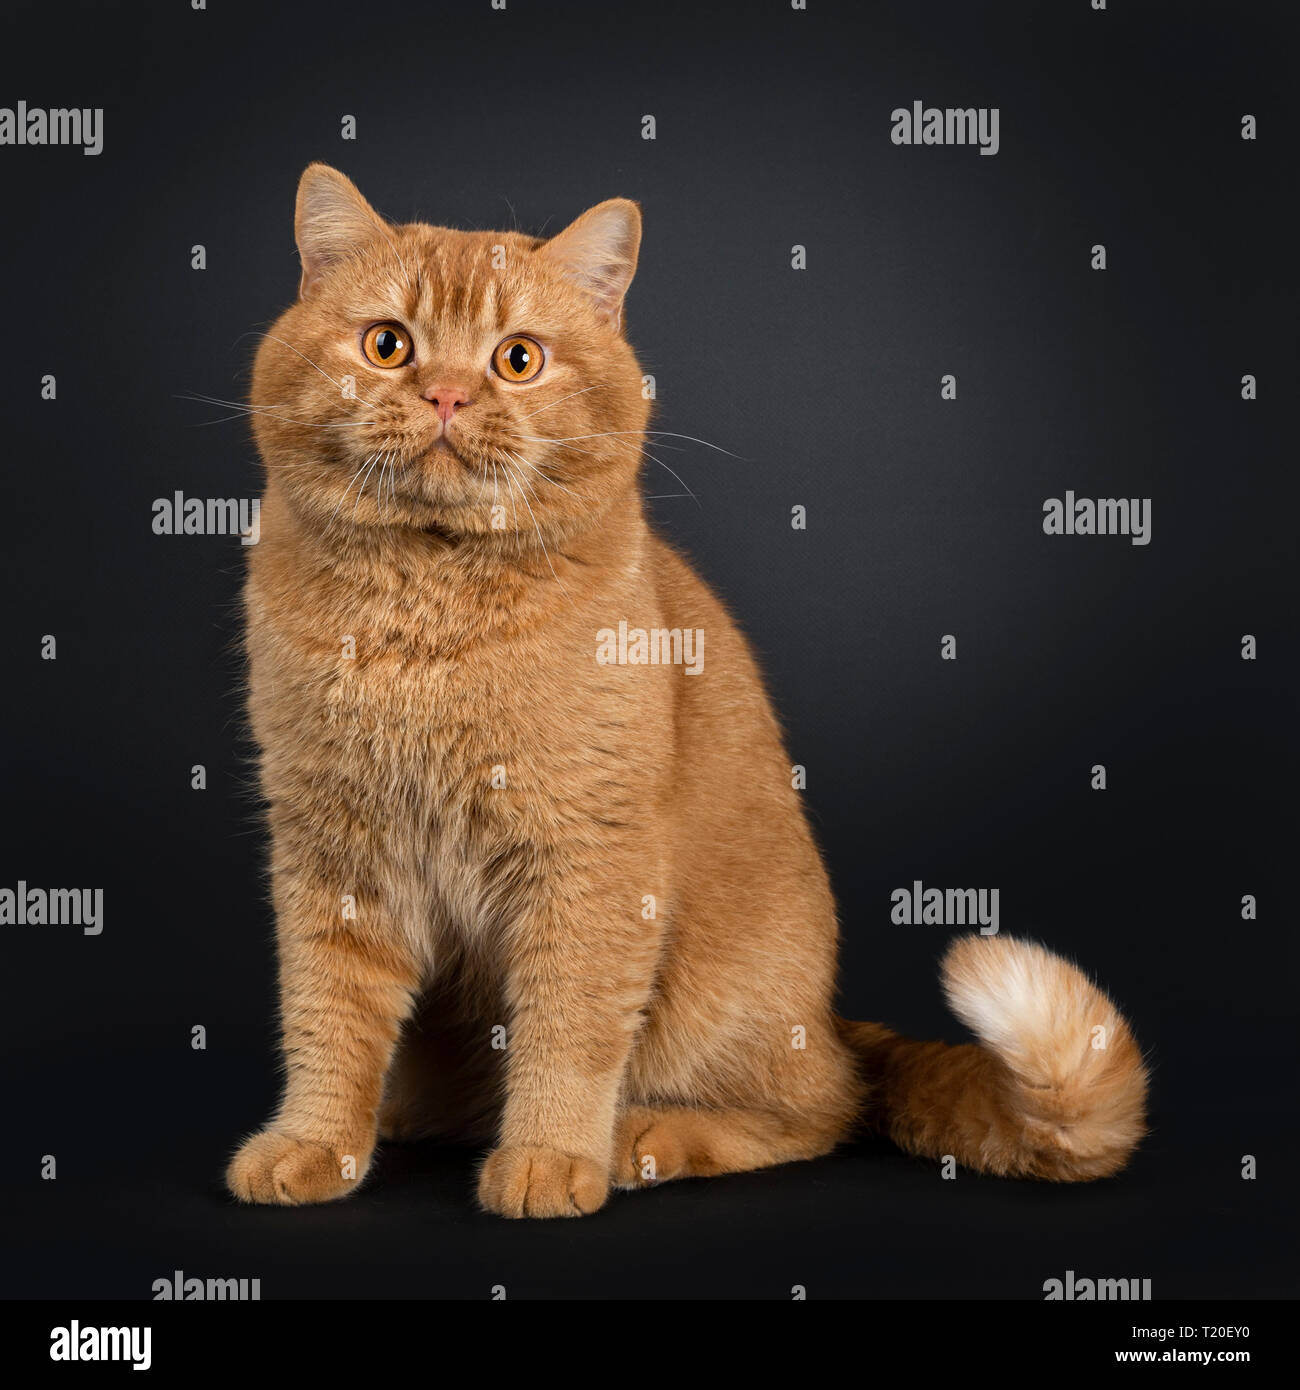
pixel 444 449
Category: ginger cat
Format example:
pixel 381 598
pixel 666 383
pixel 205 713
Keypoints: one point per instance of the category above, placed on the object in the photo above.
pixel 527 894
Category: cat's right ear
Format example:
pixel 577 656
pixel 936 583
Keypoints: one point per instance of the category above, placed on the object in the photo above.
pixel 331 220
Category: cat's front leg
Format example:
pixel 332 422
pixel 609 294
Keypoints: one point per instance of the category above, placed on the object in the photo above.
pixel 346 984
pixel 580 958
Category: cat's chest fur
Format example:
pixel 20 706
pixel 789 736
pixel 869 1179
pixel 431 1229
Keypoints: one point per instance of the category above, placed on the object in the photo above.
pixel 448 722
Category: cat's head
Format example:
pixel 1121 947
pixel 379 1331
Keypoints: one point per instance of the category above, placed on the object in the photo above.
pixel 459 382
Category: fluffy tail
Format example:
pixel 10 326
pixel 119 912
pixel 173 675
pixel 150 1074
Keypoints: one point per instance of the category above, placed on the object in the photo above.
pixel 1055 1088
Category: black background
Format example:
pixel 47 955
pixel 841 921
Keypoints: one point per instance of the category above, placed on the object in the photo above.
pixel 924 519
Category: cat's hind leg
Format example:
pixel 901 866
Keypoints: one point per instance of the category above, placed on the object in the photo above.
pixel 653 1143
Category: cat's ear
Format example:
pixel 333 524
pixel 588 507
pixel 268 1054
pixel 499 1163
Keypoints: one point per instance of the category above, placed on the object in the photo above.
pixel 330 220
pixel 598 253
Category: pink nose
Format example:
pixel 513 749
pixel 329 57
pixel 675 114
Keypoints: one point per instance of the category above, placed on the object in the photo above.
pixel 445 399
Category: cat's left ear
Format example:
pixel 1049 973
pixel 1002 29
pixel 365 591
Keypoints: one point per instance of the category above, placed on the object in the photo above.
pixel 598 253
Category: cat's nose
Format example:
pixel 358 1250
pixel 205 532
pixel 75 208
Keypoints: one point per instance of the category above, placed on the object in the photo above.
pixel 445 400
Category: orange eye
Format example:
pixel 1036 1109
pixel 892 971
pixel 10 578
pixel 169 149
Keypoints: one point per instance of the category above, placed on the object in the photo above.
pixel 518 359
pixel 387 345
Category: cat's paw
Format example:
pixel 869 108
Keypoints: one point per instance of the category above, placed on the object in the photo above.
pixel 273 1169
pixel 541 1182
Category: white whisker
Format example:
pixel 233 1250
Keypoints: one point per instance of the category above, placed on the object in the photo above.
pixel 673 471
pixel 348 489
pixel 562 399
pixel 245 410
pixel 519 458
pixel 361 490
pixel 523 482
pixel 372 404
pixel 648 434
pixel 379 489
